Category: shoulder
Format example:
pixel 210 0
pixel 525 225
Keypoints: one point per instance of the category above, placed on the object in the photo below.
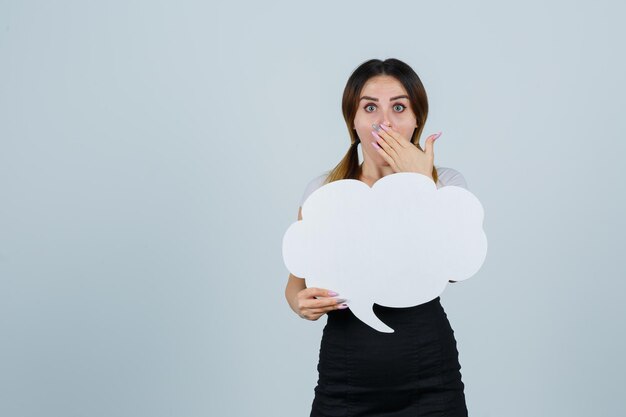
pixel 450 176
pixel 318 180
pixel 313 184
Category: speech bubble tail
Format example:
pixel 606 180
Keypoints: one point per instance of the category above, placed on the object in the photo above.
pixel 365 313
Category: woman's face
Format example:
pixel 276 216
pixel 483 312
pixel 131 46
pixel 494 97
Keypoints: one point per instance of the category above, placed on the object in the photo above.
pixel 383 100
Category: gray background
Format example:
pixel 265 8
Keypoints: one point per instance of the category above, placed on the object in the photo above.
pixel 153 153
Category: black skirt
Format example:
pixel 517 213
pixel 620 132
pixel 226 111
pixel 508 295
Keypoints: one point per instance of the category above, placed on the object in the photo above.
pixel 414 371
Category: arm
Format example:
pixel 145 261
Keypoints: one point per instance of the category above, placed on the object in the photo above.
pixel 294 284
pixel 303 300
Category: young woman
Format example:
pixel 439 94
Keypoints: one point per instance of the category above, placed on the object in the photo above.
pixel 362 372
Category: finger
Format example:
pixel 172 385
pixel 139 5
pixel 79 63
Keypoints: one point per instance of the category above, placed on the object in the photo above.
pixel 384 138
pixel 321 310
pixel 323 302
pixel 326 309
pixel 319 292
pixel 339 306
pixel 310 316
pixel 394 138
pixel 388 158
pixel 382 153
pixel 429 143
pixel 384 144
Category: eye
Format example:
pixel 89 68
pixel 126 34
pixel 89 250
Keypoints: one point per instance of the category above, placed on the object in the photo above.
pixel 369 105
pixel 401 105
pixel 373 105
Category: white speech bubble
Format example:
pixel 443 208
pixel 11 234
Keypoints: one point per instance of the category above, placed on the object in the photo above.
pixel 396 244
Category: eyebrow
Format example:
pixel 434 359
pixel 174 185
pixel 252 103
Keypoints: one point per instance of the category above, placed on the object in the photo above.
pixel 375 99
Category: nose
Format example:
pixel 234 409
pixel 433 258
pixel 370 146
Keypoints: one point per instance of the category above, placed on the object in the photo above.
pixel 386 118
pixel 385 122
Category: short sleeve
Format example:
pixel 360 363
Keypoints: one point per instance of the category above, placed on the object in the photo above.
pixel 449 176
pixel 312 185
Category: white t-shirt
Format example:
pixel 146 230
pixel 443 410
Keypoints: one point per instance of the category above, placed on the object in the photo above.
pixel 447 176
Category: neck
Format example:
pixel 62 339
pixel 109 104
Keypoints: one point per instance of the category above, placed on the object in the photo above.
pixel 372 172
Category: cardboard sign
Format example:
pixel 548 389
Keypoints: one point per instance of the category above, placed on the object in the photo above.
pixel 396 244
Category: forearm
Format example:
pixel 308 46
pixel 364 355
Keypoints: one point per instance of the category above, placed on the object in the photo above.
pixel 294 286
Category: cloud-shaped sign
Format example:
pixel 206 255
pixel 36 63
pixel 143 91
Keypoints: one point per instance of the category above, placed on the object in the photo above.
pixel 395 244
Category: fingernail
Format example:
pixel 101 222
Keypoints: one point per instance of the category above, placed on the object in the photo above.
pixel 341 307
pixel 375 127
pixel 376 135
pixel 332 293
pixel 436 136
pixel 375 145
pixel 385 128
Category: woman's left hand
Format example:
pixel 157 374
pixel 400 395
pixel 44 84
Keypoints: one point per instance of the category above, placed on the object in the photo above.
pixel 401 154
